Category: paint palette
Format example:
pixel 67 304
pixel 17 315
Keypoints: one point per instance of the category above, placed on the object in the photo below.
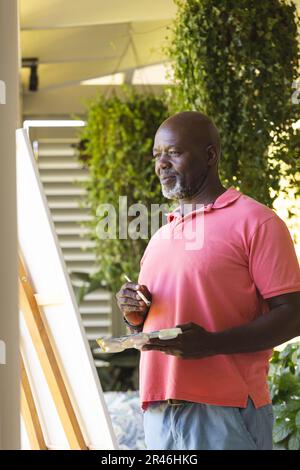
pixel 137 340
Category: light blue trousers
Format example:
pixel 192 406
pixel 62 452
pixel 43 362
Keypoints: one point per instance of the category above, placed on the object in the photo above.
pixel 196 426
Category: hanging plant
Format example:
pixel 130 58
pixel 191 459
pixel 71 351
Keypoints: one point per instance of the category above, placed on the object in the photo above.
pixel 116 147
pixel 237 62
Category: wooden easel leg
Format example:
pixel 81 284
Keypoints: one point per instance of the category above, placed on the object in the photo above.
pixel 29 413
pixel 48 361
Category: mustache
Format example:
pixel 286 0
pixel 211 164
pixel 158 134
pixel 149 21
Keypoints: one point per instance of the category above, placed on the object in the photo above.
pixel 167 174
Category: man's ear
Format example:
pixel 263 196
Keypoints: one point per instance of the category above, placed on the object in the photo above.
pixel 212 154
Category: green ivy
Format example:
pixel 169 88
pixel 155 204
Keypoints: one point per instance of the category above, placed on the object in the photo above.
pixel 236 61
pixel 284 381
pixel 116 147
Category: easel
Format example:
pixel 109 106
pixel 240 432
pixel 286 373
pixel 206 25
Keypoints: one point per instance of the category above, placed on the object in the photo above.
pixel 49 363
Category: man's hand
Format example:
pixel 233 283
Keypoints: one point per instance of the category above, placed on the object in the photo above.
pixel 281 324
pixel 131 305
pixel 194 343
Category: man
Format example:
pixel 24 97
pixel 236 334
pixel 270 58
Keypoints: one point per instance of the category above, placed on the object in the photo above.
pixel 235 297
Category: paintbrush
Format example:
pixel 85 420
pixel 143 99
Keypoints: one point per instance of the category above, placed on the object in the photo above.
pixel 140 294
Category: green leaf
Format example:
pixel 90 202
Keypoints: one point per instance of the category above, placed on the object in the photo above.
pixel 282 429
pixel 294 441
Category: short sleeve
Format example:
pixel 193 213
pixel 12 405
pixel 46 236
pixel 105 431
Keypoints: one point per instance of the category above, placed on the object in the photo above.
pixel 273 262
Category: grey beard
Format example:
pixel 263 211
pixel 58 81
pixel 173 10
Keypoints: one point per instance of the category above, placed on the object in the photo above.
pixel 180 191
pixel 177 192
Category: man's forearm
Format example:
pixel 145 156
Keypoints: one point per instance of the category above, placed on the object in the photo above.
pixel 267 331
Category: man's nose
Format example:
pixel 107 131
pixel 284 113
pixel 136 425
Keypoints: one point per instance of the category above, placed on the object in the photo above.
pixel 163 161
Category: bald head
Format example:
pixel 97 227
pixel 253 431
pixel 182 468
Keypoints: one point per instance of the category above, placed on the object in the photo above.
pixel 197 127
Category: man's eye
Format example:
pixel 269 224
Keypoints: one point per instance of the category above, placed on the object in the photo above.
pixel 170 153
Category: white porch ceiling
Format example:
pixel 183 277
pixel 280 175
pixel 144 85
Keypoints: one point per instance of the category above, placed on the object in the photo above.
pixel 75 40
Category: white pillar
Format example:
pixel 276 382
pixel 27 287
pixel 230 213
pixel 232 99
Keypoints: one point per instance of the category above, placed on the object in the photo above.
pixel 9 327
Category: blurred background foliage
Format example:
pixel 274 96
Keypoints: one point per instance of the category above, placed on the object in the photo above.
pixel 236 62
pixel 284 381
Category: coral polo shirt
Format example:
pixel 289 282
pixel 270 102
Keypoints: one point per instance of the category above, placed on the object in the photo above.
pixel 243 255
